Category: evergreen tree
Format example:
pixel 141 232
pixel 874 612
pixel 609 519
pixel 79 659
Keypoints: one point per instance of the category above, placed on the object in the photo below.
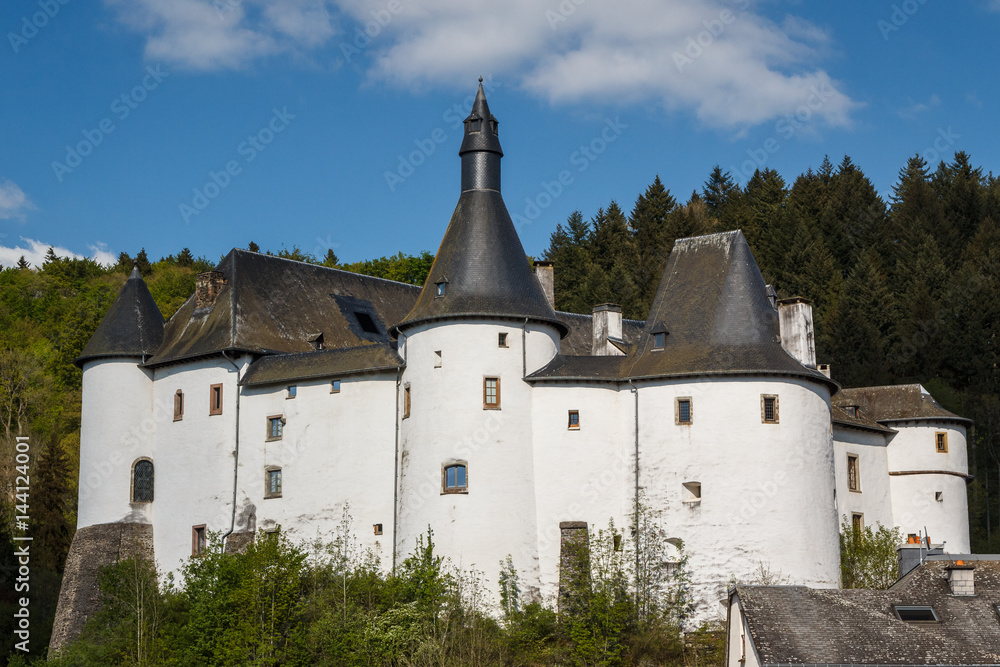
pixel 50 257
pixel 331 258
pixel 569 251
pixel 142 261
pixel 654 239
pixel 185 258
pixel 253 247
pixel 718 191
pixel 962 192
pixel 50 502
pixel 124 264
pixel 22 263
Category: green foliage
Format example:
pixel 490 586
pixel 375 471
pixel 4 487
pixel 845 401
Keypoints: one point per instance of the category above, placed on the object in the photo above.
pixel 412 269
pixel 868 557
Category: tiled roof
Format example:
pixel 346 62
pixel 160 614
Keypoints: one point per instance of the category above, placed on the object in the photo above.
pixel 842 417
pixel 274 305
pixel 279 368
pixel 903 402
pixel 799 625
pixel 132 327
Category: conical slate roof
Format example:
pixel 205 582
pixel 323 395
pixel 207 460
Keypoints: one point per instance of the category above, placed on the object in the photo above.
pixel 481 270
pixel 132 327
pixel 714 306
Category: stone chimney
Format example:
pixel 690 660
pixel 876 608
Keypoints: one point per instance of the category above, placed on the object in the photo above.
pixel 607 322
pixel 207 287
pixel 795 316
pixel 961 578
pixel 824 369
pixel 545 272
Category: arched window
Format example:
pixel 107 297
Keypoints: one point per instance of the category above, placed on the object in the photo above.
pixel 142 481
pixel 454 478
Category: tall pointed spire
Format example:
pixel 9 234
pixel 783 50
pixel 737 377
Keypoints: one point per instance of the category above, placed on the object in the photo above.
pixel 132 327
pixel 481 270
pixel 480 149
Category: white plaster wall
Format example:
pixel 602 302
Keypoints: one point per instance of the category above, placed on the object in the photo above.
pixel 874 498
pixel 117 423
pixel 767 489
pixel 447 422
pixel 913 449
pixel 193 457
pixel 336 450
pixel 741 651
pixel 580 475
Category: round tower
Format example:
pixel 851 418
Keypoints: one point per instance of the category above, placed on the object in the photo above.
pixel 480 325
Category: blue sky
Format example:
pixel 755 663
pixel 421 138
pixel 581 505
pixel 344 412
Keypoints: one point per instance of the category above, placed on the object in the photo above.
pixel 212 123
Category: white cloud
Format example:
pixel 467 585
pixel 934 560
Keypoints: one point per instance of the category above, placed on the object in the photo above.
pixel 34 253
pixel 913 109
pixel 719 58
pixel 13 201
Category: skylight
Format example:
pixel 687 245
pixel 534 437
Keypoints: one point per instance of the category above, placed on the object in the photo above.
pixel 916 614
pixel 367 323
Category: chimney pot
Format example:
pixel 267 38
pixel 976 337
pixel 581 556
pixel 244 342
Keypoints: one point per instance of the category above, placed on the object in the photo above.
pixel 207 288
pixel 545 272
pixel 607 324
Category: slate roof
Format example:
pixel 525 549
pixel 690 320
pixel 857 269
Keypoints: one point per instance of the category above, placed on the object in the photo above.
pixel 580 339
pixel 905 402
pixel 280 368
pixel 800 625
pixel 842 417
pixel 274 305
pixel 713 303
pixel 132 327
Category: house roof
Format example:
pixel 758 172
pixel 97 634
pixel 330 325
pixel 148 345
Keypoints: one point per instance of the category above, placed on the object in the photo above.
pixel 273 305
pixel 580 337
pixel 800 625
pixel 281 368
pixel 132 327
pixel 905 402
pixel 842 417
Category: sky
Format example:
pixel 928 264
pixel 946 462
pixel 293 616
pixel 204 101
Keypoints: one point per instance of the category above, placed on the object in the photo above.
pixel 335 124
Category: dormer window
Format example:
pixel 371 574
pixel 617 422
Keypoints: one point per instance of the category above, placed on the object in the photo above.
pixel 440 286
pixel 495 126
pixel 659 333
pixel 316 340
pixel 366 322
pixel 916 614
pixel 476 125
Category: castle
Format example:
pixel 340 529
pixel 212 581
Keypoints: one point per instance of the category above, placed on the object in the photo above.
pixel 282 391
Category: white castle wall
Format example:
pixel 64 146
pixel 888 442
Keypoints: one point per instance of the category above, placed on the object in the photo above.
pixel 448 423
pixel 913 449
pixel 874 498
pixel 336 450
pixel 767 489
pixel 116 426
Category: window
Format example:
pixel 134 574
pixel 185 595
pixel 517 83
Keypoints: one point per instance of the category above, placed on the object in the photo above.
pixel 858 522
pixel 476 125
pixel 916 614
pixel 502 340
pixel 769 409
pixel 437 358
pixel 941 442
pixel 334 386
pixel 215 399
pixel 692 492
pixel 378 528
pixel 495 126
pixel 406 401
pixel 939 496
pixel 178 405
pixel 853 479
pixel 491 393
pixel 292 391
pixel 574 419
pixel 454 478
pixel 275 427
pixel 682 410
pixel 272 482
pixel 142 481
pixel 366 322
pixel 198 542
pixel 659 340
pixel 440 286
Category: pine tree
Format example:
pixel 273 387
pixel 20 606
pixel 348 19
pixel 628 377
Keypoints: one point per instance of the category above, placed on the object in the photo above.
pixel 142 261
pixel 50 501
pixel 962 192
pixel 718 191
pixel 650 227
pixel 253 247
pixel 853 215
pixel 331 258
pixel 185 258
pixel 50 257
pixel 124 264
pixel 22 263
pixel 569 251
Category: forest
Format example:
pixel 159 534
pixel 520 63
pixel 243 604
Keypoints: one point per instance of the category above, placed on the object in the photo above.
pixel 905 288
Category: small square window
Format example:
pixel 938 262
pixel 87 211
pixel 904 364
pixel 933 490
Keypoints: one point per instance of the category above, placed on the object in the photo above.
pixel 291 391
pixel 502 340
pixel 574 419
pixel 406 401
pixel 682 410
pixel 853 475
pixel 178 405
pixel 769 409
pixel 215 399
pixel 437 358
pixel 275 427
pixel 454 478
pixel 272 483
pixel 491 393
pixel 198 540
pixel 476 125
pixel 334 386
pixel 692 492
pixel 941 442
pixel 378 528
pixel 939 496
pixel 659 340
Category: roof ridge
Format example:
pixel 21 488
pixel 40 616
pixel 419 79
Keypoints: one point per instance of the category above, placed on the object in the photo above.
pixel 322 266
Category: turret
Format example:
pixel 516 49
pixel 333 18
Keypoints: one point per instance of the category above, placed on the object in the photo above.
pixel 480 149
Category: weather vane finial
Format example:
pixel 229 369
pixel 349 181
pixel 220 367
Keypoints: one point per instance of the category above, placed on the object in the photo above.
pixel 480 79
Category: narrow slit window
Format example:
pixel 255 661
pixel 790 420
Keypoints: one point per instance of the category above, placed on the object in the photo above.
pixel 491 393
pixel 178 405
pixel 378 528
pixel 437 358
pixel 941 442
pixel 199 541
pixel 502 340
pixel 769 409
pixel 853 477
pixel 406 401
pixel 683 410
pixel 574 419
pixel 939 496
pixel 455 478
pixel 858 522
pixel 215 399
